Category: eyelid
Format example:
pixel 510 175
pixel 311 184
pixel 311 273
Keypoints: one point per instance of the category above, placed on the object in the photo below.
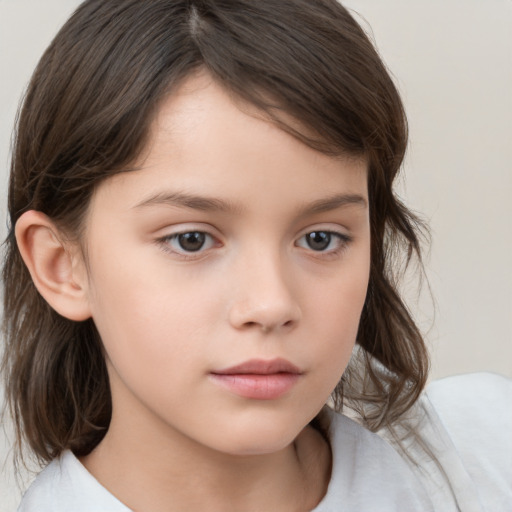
pixel 344 240
pixel 335 229
pixel 164 241
pixel 341 236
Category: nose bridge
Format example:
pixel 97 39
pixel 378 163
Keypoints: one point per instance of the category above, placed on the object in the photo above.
pixel 263 295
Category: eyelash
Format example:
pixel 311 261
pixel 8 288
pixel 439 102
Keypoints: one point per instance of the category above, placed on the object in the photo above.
pixel 343 241
pixel 166 244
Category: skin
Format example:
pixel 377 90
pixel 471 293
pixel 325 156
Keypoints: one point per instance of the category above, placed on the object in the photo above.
pixel 169 317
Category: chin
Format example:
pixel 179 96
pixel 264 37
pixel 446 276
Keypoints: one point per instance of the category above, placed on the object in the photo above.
pixel 260 439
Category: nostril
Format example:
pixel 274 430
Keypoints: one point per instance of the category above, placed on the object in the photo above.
pixel 266 327
pixel 250 325
pixel 265 316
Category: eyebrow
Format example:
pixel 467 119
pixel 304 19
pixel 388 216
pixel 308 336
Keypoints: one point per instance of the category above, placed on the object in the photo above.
pixel 211 204
pixel 334 202
pixel 192 201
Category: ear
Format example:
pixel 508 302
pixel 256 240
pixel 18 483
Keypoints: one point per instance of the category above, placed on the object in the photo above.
pixel 56 267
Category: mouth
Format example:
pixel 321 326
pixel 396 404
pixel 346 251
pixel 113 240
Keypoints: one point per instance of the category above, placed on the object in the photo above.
pixel 258 379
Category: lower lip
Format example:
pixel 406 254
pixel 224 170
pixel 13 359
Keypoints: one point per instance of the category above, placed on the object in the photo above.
pixel 257 387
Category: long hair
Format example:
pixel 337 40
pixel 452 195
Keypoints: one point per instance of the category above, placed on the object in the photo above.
pixel 86 116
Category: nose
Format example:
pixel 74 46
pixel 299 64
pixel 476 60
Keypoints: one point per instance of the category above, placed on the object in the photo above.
pixel 263 298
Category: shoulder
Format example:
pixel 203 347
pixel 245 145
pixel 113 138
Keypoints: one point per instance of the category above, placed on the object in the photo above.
pixel 476 412
pixel 489 392
pixel 452 452
pixel 368 474
pixel 65 485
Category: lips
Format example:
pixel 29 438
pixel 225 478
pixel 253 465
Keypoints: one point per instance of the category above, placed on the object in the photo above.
pixel 258 379
pixel 260 367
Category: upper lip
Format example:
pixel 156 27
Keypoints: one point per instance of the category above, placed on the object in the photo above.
pixel 260 367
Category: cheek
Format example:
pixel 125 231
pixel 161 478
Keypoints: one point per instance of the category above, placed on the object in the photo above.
pixel 155 321
pixel 149 316
pixel 335 312
pixel 338 301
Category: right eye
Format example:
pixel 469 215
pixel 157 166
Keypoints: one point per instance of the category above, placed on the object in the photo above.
pixel 188 242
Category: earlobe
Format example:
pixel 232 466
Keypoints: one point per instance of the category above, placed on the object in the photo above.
pixel 56 266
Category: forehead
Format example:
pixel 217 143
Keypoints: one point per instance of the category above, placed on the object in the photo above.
pixel 204 141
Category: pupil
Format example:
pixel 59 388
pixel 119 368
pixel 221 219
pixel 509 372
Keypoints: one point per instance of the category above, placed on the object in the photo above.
pixel 319 240
pixel 191 241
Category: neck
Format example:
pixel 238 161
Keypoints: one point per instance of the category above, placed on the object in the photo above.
pixel 170 472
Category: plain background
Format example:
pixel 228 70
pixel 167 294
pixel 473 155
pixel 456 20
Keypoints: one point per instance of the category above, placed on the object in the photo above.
pixel 452 61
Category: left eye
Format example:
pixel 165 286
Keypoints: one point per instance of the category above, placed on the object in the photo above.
pixel 322 241
pixel 191 241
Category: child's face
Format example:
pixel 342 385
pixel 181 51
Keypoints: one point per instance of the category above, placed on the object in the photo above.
pixel 234 243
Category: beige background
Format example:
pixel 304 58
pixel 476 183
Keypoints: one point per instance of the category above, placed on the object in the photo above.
pixel 452 60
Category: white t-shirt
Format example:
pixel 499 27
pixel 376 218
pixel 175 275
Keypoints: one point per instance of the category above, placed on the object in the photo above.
pixel 467 423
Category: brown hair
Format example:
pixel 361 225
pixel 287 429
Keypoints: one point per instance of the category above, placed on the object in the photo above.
pixel 86 116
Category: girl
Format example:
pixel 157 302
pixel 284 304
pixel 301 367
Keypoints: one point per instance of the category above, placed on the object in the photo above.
pixel 202 253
